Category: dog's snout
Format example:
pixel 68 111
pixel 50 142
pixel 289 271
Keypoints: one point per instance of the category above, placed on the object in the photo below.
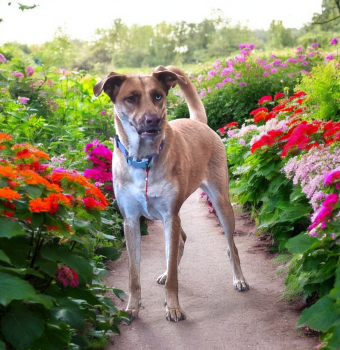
pixel 152 119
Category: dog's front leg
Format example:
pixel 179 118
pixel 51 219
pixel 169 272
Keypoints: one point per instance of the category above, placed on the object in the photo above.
pixel 133 244
pixel 172 241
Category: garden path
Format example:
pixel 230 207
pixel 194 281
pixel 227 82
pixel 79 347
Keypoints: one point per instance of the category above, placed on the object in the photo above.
pixel 218 317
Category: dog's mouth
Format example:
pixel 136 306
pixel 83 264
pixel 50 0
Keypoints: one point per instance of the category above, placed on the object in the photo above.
pixel 150 133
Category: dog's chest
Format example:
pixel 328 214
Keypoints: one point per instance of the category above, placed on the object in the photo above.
pixel 150 196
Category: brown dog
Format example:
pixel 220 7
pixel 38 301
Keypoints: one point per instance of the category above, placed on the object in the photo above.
pixel 157 165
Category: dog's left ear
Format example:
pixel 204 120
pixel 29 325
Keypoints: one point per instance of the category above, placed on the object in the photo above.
pixel 167 77
pixel 110 84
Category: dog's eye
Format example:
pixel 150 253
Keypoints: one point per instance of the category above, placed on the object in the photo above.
pixel 158 97
pixel 130 99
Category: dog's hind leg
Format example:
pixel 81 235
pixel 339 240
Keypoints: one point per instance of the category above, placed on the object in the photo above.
pixel 220 200
pixel 162 278
pixel 133 244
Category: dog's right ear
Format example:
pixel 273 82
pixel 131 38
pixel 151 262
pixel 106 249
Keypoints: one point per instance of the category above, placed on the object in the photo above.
pixel 110 84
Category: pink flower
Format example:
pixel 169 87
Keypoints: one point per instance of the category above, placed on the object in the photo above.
pixel 242 84
pixel 217 64
pixel 237 75
pixel 63 71
pixel 102 113
pixel 334 41
pixel 67 277
pixel 3 91
pixel 291 75
pixel 209 89
pixel 202 93
pixel 315 44
pixel 331 176
pixel 18 74
pixel 299 49
pixel 29 71
pixel 2 58
pixel 50 82
pixel 304 72
pixel 265 73
pixel 23 100
pixel 319 346
pixel 274 70
pixel 242 142
pixel 324 213
pixel 304 63
pixel 330 57
pixel 199 78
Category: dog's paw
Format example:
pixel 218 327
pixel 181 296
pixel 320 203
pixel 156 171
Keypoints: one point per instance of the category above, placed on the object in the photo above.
pixel 241 285
pixel 174 315
pixel 162 278
pixel 133 314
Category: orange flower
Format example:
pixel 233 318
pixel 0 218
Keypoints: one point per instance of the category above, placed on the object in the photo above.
pixel 2 147
pixel 7 171
pixel 32 178
pixel 8 194
pixel 39 205
pixel 96 193
pixel 5 137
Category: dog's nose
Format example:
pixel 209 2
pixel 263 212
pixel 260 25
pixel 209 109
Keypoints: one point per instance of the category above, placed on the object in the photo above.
pixel 152 119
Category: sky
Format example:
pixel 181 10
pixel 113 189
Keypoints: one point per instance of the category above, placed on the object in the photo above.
pixel 80 18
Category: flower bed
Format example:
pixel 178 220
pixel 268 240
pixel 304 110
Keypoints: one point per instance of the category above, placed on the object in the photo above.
pixel 286 167
pixel 51 255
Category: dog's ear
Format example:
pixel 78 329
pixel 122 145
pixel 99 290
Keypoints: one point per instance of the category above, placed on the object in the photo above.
pixel 168 78
pixel 110 84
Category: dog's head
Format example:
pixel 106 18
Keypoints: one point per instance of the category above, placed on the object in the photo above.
pixel 140 100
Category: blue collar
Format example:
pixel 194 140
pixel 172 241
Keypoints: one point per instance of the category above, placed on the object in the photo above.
pixel 144 163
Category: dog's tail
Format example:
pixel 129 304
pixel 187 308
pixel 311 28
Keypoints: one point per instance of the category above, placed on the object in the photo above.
pixel 196 108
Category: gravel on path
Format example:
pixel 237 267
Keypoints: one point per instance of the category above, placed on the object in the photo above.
pixel 218 317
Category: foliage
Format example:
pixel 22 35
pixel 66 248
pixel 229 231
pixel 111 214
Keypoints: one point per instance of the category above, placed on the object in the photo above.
pixel 51 292
pixel 231 89
pixel 323 86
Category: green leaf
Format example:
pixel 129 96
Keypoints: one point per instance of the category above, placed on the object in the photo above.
pixel 4 257
pixel 119 294
pixel 2 345
pixel 111 253
pixel 34 191
pixel 300 243
pixel 14 288
pixel 21 327
pixel 321 316
pixel 55 337
pixel 10 228
pixel 70 313
pixel 37 219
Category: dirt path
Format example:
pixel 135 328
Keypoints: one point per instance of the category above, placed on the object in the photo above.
pixel 218 317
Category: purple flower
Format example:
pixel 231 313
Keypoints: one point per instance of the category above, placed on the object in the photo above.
pixel 242 46
pixel 237 75
pixel 239 59
pixel 291 75
pixel 330 57
pixel 299 49
pixel 274 70
pixel 242 84
pixel 251 46
pixel 202 93
pixel 312 54
pixel 218 85
pixel 272 56
pixel 304 63
pixel 2 58
pixel 334 41
pixel 265 73
pixel 102 113
pixel 23 100
pixel 209 89
pixel 304 72
pixel 217 64
pixel 283 65
pixel 242 142
pixel 315 44
pixel 277 62
pixel 29 71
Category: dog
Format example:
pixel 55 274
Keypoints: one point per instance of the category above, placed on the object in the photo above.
pixel 157 165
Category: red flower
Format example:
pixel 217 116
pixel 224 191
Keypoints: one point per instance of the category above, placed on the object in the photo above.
pixel 260 116
pixel 279 95
pixel 279 107
pixel 269 116
pixel 92 204
pixel 67 276
pixel 269 139
pixel 231 124
pixel 264 99
pixel 221 130
pixel 257 110
pixel 300 93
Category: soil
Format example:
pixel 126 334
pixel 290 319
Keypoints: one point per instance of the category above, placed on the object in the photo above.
pixel 218 317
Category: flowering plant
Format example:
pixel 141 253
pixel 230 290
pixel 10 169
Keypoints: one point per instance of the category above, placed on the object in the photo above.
pixel 49 230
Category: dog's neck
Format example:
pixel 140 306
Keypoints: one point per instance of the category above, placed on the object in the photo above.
pixel 137 146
